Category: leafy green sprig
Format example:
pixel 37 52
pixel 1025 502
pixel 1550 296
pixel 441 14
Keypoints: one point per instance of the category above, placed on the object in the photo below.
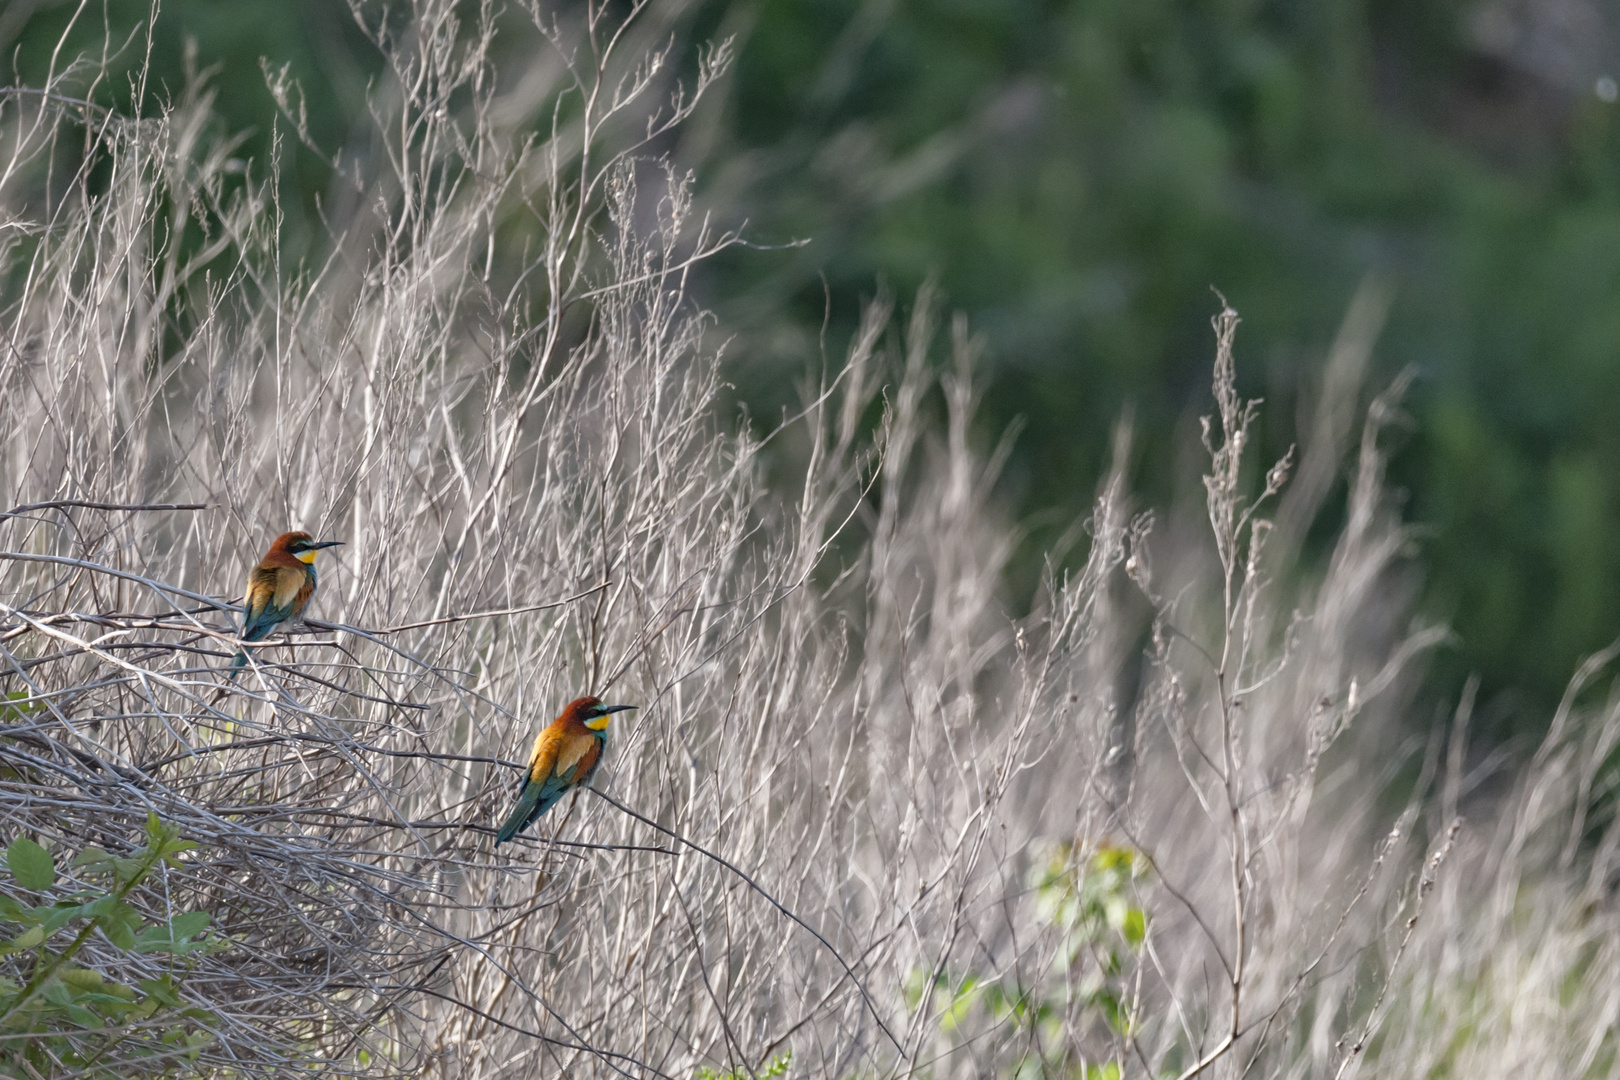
pixel 76 1016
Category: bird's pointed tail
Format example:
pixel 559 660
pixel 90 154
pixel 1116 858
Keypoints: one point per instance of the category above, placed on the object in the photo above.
pixel 521 815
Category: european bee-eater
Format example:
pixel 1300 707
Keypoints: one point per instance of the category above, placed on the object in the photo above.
pixel 279 587
pixel 565 755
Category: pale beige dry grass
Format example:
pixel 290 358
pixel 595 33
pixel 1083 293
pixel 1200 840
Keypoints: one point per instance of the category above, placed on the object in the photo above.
pixel 498 392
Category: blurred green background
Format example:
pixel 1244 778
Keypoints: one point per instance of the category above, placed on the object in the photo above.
pixel 1077 176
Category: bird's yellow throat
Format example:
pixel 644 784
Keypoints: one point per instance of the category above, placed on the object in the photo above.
pixel 307 557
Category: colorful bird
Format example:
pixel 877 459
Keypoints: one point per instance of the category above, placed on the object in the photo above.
pixel 565 755
pixel 279 587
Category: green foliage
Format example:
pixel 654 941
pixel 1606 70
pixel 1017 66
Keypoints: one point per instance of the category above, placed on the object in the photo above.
pixel 1089 902
pixel 777 1067
pixel 1077 175
pixel 30 864
pixel 17 706
pixel 55 1014
pixel 1094 912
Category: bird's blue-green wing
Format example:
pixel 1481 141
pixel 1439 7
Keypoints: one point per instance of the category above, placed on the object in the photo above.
pixel 535 797
pixel 554 788
pixel 263 613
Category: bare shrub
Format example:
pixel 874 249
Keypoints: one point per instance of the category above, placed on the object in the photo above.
pixel 864 823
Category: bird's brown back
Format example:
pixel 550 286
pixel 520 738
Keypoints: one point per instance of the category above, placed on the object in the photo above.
pixel 566 745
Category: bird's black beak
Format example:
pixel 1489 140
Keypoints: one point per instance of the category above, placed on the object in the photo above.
pixel 614 708
pixel 324 543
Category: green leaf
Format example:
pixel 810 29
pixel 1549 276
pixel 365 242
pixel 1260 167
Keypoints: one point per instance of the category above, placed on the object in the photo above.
pixel 80 978
pixel 174 937
pixel 128 870
pixel 171 849
pixel 119 933
pixel 106 1004
pixel 57 916
pixel 1113 858
pixel 18 706
pixel 190 924
pixel 101 906
pixel 118 930
pixel 1135 928
pixel 160 990
pixel 961 1005
pixel 83 1016
pixel 34 935
pixel 30 864
pixel 915 987
pixel 91 856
